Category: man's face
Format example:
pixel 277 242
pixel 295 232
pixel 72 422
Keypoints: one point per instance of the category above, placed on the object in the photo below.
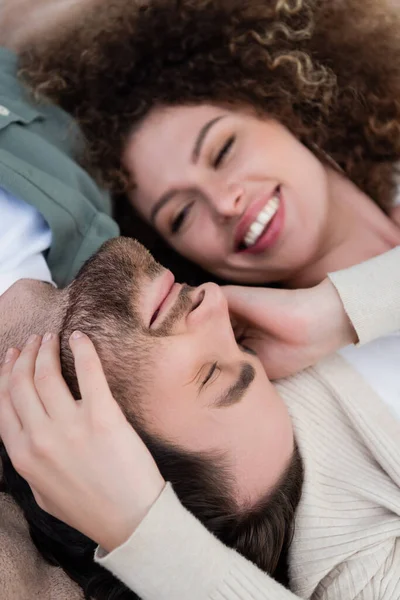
pixel 198 389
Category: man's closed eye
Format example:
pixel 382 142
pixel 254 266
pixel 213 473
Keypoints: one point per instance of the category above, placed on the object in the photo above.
pixel 213 370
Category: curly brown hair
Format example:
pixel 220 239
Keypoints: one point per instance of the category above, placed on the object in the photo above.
pixel 329 70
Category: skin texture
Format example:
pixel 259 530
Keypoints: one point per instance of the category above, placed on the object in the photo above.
pixel 328 223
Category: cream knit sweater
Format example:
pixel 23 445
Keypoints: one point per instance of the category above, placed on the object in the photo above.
pixel 346 544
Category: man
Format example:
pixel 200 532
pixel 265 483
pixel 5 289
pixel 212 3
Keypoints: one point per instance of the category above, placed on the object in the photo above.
pixel 223 435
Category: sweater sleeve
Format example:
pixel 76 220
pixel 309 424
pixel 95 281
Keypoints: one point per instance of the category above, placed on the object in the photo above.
pixel 171 555
pixel 370 293
pixel 371 574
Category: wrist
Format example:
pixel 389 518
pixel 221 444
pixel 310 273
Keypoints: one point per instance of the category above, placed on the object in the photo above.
pixel 338 328
pixel 118 530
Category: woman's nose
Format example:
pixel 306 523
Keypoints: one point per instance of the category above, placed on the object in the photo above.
pixel 227 203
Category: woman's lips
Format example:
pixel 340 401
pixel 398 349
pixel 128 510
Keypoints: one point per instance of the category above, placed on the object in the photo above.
pixel 251 214
pixel 272 233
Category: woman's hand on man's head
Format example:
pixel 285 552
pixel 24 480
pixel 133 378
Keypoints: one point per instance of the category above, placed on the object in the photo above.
pixel 289 330
pixel 83 461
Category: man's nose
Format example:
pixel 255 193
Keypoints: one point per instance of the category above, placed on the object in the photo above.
pixel 210 306
pixel 228 202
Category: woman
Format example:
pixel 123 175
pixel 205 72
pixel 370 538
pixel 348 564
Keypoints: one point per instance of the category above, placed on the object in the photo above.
pixel 261 140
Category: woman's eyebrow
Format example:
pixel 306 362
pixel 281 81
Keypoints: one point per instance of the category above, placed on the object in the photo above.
pixel 235 393
pixel 165 198
pixel 202 136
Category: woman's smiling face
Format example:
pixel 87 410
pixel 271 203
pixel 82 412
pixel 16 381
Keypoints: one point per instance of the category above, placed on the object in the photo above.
pixel 237 194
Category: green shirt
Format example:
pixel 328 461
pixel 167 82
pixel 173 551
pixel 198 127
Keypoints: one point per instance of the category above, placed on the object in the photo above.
pixel 37 147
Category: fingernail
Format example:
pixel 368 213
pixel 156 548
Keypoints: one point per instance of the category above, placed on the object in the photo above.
pixel 32 339
pixel 77 335
pixel 47 337
pixel 9 355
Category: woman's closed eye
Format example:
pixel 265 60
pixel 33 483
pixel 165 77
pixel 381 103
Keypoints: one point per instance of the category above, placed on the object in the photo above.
pixel 180 218
pixel 224 151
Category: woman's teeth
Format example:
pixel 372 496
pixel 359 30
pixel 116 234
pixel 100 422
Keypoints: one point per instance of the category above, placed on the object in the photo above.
pixel 261 221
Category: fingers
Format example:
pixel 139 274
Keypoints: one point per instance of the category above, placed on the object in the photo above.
pixel 32 388
pixel 26 402
pixel 242 300
pixel 7 367
pixel 10 425
pixel 92 381
pixel 49 382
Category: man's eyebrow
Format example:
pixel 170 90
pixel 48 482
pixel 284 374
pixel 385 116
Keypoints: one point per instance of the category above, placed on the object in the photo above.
pixel 165 198
pixel 235 393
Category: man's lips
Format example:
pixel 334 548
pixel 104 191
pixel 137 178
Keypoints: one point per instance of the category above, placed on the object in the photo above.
pixel 167 295
pixel 250 215
pixel 165 288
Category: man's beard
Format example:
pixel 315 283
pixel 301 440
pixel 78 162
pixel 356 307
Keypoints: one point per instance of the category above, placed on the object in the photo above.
pixel 103 302
pixel 181 307
pixel 143 267
pixel 109 290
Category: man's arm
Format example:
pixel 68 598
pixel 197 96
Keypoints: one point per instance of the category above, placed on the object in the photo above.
pixel 54 188
pixel 24 238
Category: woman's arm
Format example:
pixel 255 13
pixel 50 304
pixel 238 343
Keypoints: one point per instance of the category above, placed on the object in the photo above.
pixel 171 555
pixel 108 485
pixel 289 330
pixel 370 293
pixel 106 478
